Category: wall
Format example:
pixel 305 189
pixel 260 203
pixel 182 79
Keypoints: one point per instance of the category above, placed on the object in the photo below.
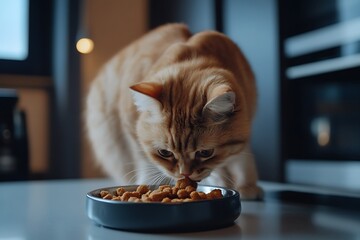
pixel 35 103
pixel 112 24
pixel 199 15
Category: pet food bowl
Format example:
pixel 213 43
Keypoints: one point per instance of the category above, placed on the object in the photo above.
pixel 164 217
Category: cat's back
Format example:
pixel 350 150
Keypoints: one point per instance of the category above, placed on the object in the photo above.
pixel 132 64
pixel 230 56
pixel 139 57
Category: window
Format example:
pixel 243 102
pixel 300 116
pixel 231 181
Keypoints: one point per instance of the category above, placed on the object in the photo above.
pixel 25 37
pixel 14 29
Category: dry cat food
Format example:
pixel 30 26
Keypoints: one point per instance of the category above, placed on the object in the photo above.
pixel 183 191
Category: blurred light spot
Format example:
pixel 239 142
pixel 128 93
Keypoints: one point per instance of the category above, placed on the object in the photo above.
pixel 85 45
pixel 320 128
pixel 323 138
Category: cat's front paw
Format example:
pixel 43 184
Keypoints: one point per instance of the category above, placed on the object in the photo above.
pixel 251 192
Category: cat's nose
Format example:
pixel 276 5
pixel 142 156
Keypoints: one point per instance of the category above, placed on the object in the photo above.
pixel 184 170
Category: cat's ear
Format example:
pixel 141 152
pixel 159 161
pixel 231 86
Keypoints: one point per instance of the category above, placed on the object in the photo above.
pixel 147 98
pixel 151 89
pixel 221 104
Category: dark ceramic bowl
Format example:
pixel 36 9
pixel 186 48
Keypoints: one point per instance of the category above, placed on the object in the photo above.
pixel 161 217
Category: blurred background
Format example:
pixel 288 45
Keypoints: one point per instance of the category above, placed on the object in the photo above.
pixel 305 55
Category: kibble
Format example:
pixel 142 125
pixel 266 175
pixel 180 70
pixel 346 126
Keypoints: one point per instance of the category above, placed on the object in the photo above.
pixel 183 191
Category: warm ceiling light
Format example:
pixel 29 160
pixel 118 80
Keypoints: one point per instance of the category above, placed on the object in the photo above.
pixel 85 45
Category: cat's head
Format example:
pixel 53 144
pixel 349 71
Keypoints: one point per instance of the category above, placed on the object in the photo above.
pixel 189 124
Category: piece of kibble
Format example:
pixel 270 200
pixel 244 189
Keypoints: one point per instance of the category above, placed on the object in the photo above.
pixel 167 189
pixel 158 196
pixel 162 187
pixel 195 195
pixel 190 189
pixel 125 197
pixel 176 200
pixel 116 198
pixel 108 196
pixel 175 190
pixel 172 192
pixel 103 193
pixel 120 191
pixel 134 199
pixel 202 195
pixel 183 183
pixel 166 200
pixel 188 200
pixel 182 193
pixel 145 199
pixel 215 194
pixel 142 189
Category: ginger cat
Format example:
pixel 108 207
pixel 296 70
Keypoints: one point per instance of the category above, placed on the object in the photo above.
pixel 173 104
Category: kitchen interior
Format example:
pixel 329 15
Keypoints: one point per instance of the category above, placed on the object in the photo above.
pixel 305 56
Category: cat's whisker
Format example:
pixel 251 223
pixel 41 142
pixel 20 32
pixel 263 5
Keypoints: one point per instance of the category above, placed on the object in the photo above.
pixel 158 179
pixel 162 178
pixel 136 173
pixel 229 180
pixel 130 172
pixel 131 180
pixel 154 179
pixel 143 171
pixel 170 181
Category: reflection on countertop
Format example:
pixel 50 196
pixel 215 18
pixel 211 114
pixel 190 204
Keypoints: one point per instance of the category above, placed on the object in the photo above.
pixel 56 210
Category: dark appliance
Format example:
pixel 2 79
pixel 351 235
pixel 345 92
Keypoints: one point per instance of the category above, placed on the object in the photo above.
pixel 14 161
pixel 320 92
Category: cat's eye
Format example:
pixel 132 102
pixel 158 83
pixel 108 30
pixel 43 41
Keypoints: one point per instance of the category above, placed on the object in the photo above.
pixel 165 153
pixel 206 153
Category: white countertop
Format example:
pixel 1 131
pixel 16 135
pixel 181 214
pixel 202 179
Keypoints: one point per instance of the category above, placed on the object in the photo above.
pixel 56 210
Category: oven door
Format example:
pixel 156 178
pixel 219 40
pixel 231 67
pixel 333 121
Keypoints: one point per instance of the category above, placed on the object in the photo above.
pixel 320 87
pixel 323 130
